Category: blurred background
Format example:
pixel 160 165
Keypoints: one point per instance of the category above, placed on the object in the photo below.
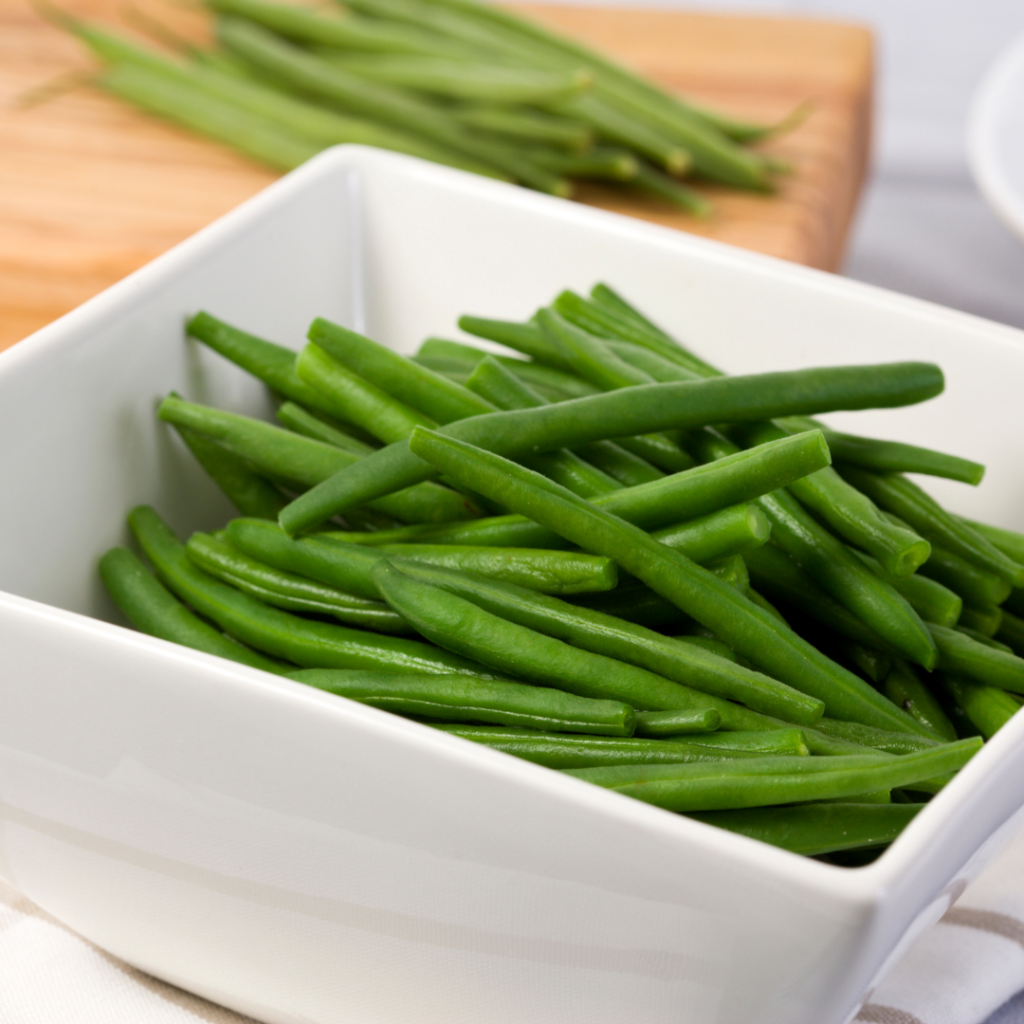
pixel 922 227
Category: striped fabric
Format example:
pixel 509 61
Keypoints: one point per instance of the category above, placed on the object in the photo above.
pixel 960 972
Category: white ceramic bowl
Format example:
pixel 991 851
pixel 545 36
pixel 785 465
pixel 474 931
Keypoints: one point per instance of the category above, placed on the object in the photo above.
pixel 995 137
pixel 302 858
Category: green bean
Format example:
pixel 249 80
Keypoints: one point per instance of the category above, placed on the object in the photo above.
pixel 602 634
pixel 635 603
pixel 987 641
pixel 458 79
pixel 595 362
pixel 874 665
pixel 460 698
pixel 780 742
pixel 540 571
pixel 904 688
pixel 347 566
pixel 775 573
pixel 965 577
pixel 532 126
pixel 152 609
pixel 281 454
pixel 896 457
pixel 834 567
pixel 929 598
pixel 905 499
pixel 1011 632
pixel 987 707
pixel 305 642
pixel 362 402
pixel 749 630
pixel 254 135
pixel 760 782
pixel 984 619
pixel 734 530
pixel 603 321
pixel 561 751
pixel 603 163
pixel 878 739
pixel 658 724
pixel 308 26
pixel 461 626
pixel 503 389
pixel 287 590
pixel 687 496
pixel 624 413
pixel 852 516
pixel 250 493
pixel 653 182
pixel 272 364
pixel 307 73
pixel 299 420
pixel 526 338
pixel 1009 542
pixel 225 85
pixel 962 655
pixel 815 829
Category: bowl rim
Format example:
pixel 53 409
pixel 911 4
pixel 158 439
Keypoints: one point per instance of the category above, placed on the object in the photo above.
pixel 864 886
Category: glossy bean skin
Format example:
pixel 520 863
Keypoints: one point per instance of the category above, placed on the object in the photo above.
pixel 929 598
pixel 280 454
pixel 623 413
pixel 294 417
pixel 271 363
pixel 851 515
pixel 749 630
pixel 510 649
pixel 304 642
pixel 562 751
pixel 788 742
pixel 655 505
pixel 735 530
pixel 986 619
pixel 347 566
pixel 903 686
pixel 761 782
pixel 287 590
pixel 987 707
pixel 250 493
pixel 878 739
pixel 896 457
pixel 586 630
pixel 440 399
pixel 659 724
pixel 979 662
pixel 361 402
pixel 833 565
pixel 500 386
pixel 905 499
pixel 466 699
pixel 152 609
pixel 815 829
pixel 973 583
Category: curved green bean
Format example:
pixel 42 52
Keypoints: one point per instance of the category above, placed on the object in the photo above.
pixel 152 609
pixel 750 631
pixel 623 413
pixel 465 699
pixel 287 590
pixel 302 641
pixel 561 751
pixel 759 782
pixel 588 630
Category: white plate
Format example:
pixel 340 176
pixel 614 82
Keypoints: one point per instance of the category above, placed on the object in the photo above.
pixel 995 138
pixel 299 857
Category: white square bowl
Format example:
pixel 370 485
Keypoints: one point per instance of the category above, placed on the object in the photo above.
pixel 303 858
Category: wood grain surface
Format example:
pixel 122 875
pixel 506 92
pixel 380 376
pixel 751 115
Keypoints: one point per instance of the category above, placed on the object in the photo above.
pixel 90 189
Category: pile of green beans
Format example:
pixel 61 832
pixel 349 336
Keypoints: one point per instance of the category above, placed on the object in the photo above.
pixel 461 84
pixel 669 592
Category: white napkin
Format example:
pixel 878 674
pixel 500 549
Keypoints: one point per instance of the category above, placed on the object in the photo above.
pixel 959 972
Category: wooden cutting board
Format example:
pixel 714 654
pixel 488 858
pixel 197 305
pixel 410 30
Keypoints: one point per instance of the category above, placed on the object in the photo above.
pixel 90 189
